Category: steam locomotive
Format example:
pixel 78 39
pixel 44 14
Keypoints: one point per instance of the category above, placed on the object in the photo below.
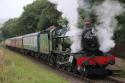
pixel 53 46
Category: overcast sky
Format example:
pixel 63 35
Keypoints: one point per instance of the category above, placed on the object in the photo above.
pixel 12 8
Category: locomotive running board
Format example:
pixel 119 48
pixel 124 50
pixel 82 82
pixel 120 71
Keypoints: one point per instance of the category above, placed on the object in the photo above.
pixel 62 63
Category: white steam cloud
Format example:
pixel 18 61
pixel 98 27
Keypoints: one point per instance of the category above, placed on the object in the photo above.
pixel 107 13
pixel 69 8
pixel 75 36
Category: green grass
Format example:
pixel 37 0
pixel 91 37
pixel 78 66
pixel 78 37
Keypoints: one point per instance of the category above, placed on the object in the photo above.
pixel 15 68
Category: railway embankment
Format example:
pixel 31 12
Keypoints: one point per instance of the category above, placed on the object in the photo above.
pixel 15 68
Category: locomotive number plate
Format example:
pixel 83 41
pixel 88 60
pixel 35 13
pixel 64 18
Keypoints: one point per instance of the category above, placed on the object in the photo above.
pixel 70 59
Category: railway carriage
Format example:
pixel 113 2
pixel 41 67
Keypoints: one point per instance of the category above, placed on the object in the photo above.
pixel 31 43
pixel 19 42
pixel 7 42
pixel 11 42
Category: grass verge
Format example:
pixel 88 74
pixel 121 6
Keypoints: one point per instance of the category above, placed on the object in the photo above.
pixel 14 68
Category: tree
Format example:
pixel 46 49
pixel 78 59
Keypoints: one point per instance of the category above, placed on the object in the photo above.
pixel 49 16
pixel 62 22
pixel 36 17
pixel 9 28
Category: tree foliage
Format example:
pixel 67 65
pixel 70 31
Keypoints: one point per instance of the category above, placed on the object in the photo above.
pixel 9 27
pixel 36 16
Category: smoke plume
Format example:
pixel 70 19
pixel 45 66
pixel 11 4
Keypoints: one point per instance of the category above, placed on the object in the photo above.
pixel 69 9
pixel 107 13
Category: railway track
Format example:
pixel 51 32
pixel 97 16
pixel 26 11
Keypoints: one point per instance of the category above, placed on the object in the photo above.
pixel 109 79
pixel 115 78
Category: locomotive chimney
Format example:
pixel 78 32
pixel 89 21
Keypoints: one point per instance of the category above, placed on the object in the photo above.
pixel 87 21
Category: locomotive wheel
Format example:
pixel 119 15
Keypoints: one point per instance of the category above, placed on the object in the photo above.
pixel 84 73
pixel 69 68
pixel 58 66
pixel 75 70
pixel 109 72
pixel 51 59
pixel 64 67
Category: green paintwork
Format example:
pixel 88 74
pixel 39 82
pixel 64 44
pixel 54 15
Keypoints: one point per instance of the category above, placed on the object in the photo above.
pixel 45 43
pixel 30 42
pixel 29 47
